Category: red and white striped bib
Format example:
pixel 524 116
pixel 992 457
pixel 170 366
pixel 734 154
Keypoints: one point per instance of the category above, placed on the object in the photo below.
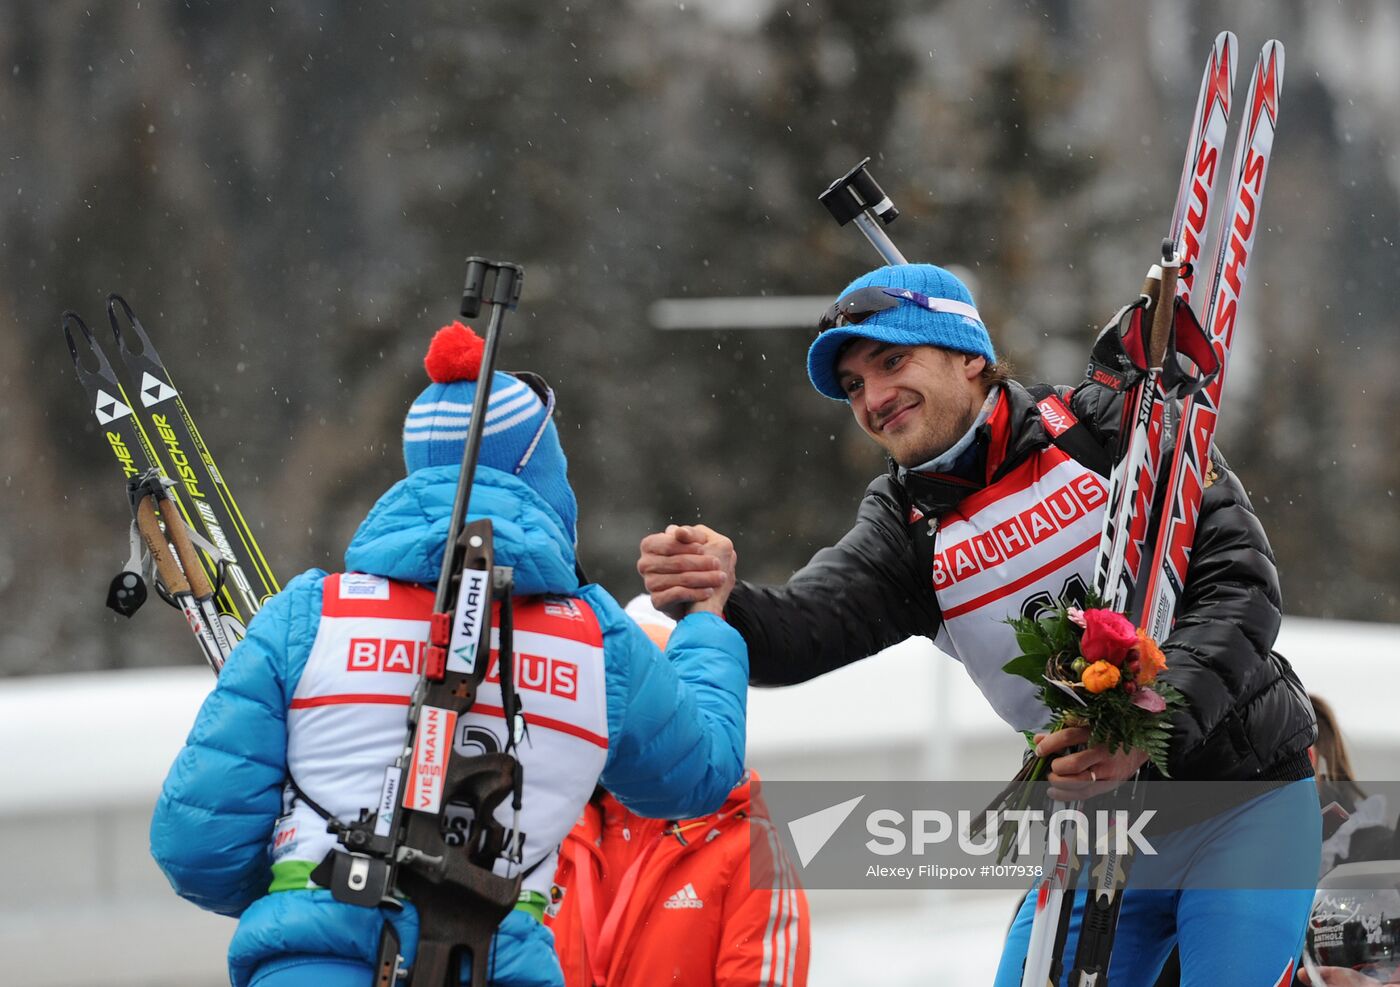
pixel 1025 542
pixel 347 717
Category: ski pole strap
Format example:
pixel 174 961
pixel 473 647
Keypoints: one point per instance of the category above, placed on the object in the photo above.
pixel 127 591
pixel 1067 432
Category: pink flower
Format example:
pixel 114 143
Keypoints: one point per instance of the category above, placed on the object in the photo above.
pixel 1076 616
pixel 1107 636
pixel 1145 698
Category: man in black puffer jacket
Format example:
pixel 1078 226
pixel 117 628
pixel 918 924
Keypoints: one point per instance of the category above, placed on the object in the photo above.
pixel 993 508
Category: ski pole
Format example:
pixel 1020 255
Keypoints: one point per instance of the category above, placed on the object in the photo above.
pixel 857 196
pixel 181 574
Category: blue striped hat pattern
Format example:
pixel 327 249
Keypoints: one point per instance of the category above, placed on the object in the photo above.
pixel 519 437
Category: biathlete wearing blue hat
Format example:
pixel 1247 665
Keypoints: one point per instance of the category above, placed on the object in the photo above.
pixel 988 512
pixel 311 706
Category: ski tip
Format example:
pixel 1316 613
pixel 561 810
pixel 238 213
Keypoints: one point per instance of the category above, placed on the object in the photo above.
pixel 1218 83
pixel 71 318
pixel 1272 54
pixel 1227 51
pixel 115 301
pixel 1266 85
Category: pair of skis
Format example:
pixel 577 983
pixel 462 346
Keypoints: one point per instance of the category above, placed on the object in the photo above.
pixel 1150 521
pixel 195 537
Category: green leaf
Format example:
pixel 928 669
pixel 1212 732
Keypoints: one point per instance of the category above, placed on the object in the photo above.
pixel 1032 642
pixel 1029 667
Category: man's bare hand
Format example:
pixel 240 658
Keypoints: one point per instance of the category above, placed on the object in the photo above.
pixel 1084 774
pixel 687 568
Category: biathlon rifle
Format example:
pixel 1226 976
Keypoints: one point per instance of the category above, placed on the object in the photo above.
pixel 404 848
pixel 857 196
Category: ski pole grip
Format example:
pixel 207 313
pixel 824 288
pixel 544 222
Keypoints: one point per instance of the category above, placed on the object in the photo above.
pixel 149 526
pixel 1164 309
pixel 184 550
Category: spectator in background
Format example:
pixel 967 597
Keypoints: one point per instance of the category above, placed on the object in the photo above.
pixel 642 902
pixel 1355 826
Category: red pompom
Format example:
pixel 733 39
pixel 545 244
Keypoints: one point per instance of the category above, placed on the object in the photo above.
pixel 454 354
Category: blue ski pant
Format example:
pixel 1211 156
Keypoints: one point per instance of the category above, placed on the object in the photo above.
pixel 1250 934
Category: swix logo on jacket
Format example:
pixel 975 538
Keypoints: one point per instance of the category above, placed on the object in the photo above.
pixel 347 717
pixel 1022 541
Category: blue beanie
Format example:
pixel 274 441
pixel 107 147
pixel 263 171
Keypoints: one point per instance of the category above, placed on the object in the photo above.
pixel 911 322
pixel 519 438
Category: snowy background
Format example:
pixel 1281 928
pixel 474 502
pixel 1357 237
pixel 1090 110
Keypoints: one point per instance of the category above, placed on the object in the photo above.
pixel 285 192
pixel 84 906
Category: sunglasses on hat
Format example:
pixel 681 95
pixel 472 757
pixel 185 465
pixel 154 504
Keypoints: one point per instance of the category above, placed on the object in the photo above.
pixel 545 393
pixel 537 384
pixel 863 303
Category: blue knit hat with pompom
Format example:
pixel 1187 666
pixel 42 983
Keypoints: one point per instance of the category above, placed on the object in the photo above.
pixel 519 438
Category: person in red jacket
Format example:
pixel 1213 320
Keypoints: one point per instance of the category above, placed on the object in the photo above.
pixel 647 902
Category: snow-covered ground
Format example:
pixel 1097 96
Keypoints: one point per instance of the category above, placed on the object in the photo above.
pixel 85 755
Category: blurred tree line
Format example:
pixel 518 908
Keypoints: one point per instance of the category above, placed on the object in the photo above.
pixel 286 194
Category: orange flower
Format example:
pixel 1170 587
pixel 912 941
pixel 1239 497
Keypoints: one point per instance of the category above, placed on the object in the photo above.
pixel 1101 676
pixel 1147 659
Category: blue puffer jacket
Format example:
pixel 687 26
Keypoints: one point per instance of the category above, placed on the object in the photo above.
pixel 675 730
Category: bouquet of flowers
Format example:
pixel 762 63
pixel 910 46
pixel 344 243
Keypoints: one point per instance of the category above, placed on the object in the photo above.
pixel 1095 669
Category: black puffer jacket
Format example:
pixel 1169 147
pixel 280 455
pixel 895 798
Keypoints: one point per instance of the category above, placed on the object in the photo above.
pixel 1247 715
